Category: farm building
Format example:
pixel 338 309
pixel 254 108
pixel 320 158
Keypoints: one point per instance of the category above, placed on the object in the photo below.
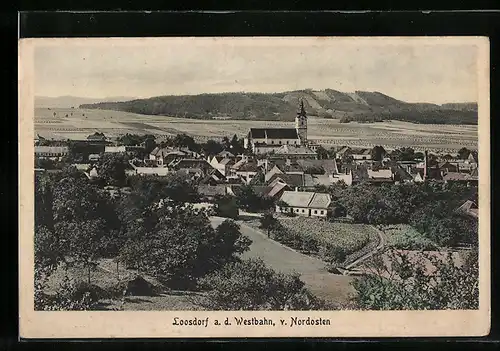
pixel 304 203
pixel 51 151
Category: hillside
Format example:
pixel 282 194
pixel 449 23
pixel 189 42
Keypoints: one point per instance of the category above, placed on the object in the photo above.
pixel 362 106
pixel 73 101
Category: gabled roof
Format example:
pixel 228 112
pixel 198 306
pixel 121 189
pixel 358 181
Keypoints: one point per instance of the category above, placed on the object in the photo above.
pixel 273 133
pixel 297 198
pixel 193 163
pixel 456 176
pixel 293 180
pixel 249 167
pixel 320 200
pixel 51 149
pixel 238 164
pixel 276 189
pixel 401 174
pixel 469 207
pixel 380 174
pixel 212 190
pixel 330 166
pixel 294 150
pixel 306 199
pixel 226 161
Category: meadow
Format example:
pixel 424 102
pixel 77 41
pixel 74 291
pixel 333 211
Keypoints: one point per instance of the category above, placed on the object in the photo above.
pixel 60 123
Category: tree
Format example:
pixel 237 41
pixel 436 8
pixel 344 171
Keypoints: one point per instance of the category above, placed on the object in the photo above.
pixel 322 153
pixel 463 153
pixel 212 147
pixel 112 168
pixel 378 153
pixel 251 285
pixel 268 222
pixel 345 119
pixel 184 246
pixel 227 206
pixel 229 241
pixel 406 283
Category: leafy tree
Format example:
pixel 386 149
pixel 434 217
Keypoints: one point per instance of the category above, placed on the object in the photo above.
pixel 378 153
pixel 183 246
pixel 322 153
pixel 227 206
pixel 251 285
pixel 236 146
pixel 407 284
pixel 463 153
pixel 251 201
pixel 268 222
pixel 212 147
pixel 112 168
pixel 229 241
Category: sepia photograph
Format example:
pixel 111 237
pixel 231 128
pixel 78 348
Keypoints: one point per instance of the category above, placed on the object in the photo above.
pixel 222 180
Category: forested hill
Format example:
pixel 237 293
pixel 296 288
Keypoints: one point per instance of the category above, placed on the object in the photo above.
pixel 360 106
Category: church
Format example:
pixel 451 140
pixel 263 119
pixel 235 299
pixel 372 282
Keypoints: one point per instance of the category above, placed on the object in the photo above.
pixel 265 140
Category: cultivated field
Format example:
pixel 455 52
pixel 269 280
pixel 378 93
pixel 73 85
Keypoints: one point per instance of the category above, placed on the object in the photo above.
pixel 351 238
pixel 76 123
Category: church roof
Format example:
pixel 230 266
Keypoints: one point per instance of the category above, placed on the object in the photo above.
pixel 274 133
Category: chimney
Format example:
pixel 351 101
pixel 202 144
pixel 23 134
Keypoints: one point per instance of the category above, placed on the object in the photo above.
pixel 425 165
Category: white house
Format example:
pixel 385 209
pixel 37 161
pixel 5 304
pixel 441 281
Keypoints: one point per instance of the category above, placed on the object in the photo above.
pixel 305 203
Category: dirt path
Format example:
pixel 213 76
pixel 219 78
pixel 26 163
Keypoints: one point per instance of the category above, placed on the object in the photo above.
pixel 380 246
pixel 334 288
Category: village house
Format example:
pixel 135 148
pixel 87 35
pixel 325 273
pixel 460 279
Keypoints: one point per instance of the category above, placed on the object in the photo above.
pixel 222 164
pixel 304 203
pixel 357 154
pixel 294 181
pixel 248 170
pixel 51 152
pixel 330 179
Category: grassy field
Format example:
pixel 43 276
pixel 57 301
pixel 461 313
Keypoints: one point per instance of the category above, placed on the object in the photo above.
pixel 77 123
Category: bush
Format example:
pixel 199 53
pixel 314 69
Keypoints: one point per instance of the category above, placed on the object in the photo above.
pixel 333 254
pixel 251 285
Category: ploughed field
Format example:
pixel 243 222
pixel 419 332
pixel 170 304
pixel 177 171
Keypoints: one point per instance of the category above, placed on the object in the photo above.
pixel 60 123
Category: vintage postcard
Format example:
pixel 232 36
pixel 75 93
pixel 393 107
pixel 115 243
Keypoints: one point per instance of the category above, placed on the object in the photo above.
pixel 254 187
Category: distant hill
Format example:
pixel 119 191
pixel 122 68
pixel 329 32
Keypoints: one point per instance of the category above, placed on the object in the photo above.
pixel 361 106
pixel 73 101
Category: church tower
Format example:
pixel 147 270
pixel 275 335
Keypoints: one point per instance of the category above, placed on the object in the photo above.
pixel 301 123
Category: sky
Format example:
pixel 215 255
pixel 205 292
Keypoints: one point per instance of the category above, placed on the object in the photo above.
pixel 436 72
